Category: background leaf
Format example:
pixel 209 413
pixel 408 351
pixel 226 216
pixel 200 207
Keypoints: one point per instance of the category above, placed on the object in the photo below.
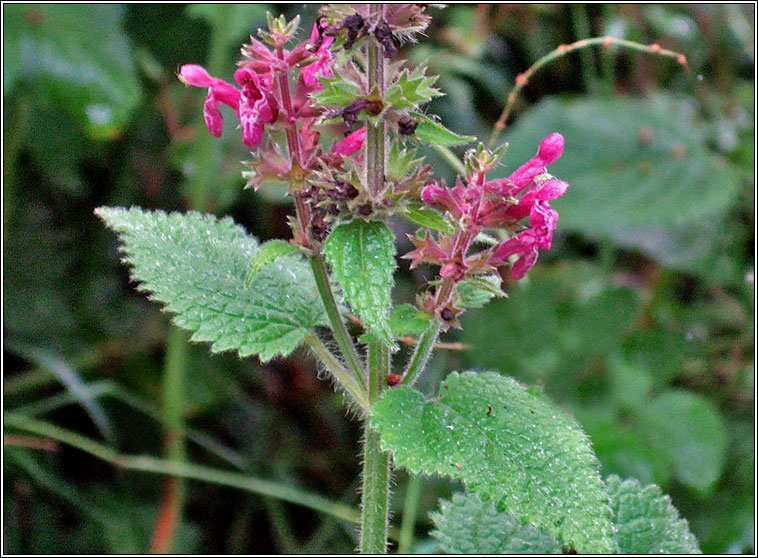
pixel 362 256
pixel 688 429
pixel 77 55
pixel 646 522
pixel 195 265
pixel 645 176
pixel 508 443
pixel 466 524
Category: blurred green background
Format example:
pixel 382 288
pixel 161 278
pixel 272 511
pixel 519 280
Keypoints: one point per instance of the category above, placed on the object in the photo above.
pixel 639 321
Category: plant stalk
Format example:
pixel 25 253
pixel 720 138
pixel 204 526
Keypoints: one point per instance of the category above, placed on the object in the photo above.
pixel 375 136
pixel 346 380
pixel 335 320
pixel 172 502
pixel 421 354
pixel 376 463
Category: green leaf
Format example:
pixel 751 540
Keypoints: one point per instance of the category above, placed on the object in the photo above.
pixel 337 90
pixel 406 319
pixel 646 522
pixel 76 55
pixel 427 217
pixel 434 133
pixel 411 90
pixel 507 443
pixel 650 179
pixel 400 162
pixel 195 265
pixel 688 429
pixel 478 291
pixel 268 253
pixel 362 256
pixel 468 525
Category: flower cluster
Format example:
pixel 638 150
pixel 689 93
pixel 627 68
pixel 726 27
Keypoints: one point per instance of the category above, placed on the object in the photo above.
pixel 501 204
pixel 297 90
pixel 265 100
pixel 257 102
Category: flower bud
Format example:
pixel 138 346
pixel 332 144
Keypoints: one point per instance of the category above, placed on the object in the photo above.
pixel 551 149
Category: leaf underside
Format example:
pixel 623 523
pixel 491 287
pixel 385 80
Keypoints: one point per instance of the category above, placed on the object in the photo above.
pixel 362 257
pixel 196 264
pixel 506 443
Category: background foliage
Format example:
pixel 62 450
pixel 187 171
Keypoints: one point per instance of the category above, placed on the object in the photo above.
pixel 638 322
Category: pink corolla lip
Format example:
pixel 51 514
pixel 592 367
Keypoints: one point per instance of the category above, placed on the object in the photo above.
pixel 254 105
pixel 353 142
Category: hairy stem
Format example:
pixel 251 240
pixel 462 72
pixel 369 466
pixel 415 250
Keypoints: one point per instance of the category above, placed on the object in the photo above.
pixel 422 353
pixel 375 136
pixel 335 320
pixel 376 463
pixel 343 376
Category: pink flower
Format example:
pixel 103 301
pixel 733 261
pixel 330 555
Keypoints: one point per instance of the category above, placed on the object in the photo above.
pixel 254 105
pixel 257 104
pixel 550 150
pixel 352 143
pixel 527 243
pixel 322 66
pixel 218 92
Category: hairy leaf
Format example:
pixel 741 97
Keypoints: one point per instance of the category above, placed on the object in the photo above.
pixel 505 442
pixel 195 265
pixel 646 522
pixel 268 252
pixel 432 132
pixel 362 256
pixel 466 524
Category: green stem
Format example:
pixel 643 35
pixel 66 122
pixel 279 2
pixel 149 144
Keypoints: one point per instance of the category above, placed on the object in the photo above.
pixel 421 354
pixel 586 63
pixel 375 494
pixel 174 372
pixel 375 140
pixel 607 63
pixel 185 470
pixel 330 362
pixel 376 463
pixel 335 320
pixel 410 509
pixel 450 158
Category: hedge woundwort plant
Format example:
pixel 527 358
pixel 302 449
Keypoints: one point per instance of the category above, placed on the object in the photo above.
pixel 532 480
